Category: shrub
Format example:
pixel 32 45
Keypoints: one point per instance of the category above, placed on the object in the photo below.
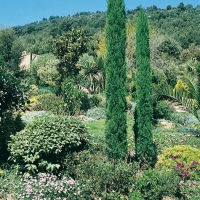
pixel 104 179
pixel 51 103
pixel 9 124
pixel 96 113
pixel 154 184
pixel 94 100
pixel 43 143
pixel 161 110
pixel 11 92
pixel 182 158
pixel 76 100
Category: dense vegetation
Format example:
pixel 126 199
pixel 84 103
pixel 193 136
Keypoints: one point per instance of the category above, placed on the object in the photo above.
pixel 66 123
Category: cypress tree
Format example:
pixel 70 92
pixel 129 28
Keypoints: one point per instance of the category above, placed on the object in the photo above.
pixel 116 126
pixel 145 150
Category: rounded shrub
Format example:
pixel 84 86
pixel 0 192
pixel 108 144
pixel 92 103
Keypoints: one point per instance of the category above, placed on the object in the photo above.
pixel 161 110
pixel 42 145
pixel 183 158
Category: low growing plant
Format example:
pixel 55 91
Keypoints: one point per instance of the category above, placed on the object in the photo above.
pixel 41 146
pixel 105 179
pixel 155 184
pixel 48 186
pixel 96 113
pixel 184 159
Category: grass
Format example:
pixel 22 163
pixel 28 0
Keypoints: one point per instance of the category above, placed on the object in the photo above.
pixel 97 127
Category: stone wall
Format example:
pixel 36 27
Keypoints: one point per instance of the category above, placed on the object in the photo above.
pixel 26 59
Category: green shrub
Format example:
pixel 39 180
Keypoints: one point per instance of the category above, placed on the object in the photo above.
pixel 135 195
pixel 52 103
pixel 182 158
pixel 104 179
pixel 11 92
pixel 94 100
pixel 96 113
pixel 10 124
pixel 76 100
pixel 161 110
pixel 44 142
pixel 154 184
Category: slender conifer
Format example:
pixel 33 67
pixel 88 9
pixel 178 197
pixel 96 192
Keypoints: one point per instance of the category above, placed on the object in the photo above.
pixel 116 126
pixel 145 150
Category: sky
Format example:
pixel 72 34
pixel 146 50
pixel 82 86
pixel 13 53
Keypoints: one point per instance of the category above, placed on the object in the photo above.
pixel 21 12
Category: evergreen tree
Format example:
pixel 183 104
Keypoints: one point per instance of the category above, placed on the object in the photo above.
pixel 145 151
pixel 116 127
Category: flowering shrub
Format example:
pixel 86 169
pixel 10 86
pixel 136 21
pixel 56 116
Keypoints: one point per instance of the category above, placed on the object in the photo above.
pixel 184 159
pixel 47 186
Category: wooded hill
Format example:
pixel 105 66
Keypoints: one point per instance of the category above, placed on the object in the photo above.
pixel 182 23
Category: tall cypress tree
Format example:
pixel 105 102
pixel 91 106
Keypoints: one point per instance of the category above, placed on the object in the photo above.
pixel 116 126
pixel 145 150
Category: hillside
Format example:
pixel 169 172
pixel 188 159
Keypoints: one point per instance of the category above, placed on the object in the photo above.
pixel 182 23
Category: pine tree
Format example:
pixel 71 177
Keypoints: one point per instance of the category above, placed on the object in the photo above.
pixel 116 126
pixel 145 150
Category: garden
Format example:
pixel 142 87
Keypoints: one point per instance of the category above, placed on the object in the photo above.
pixel 103 125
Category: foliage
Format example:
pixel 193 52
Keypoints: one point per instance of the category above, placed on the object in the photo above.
pixel 192 52
pixel 190 189
pixel 155 184
pixel 184 118
pixel 96 113
pixel 76 100
pixel 105 179
pixel 94 100
pixel 145 149
pixel 10 49
pixel 116 106
pixel 183 158
pixel 181 93
pixel 9 125
pixel 161 110
pixel 68 49
pixel 43 143
pixel 43 70
pixel 92 69
pixel 51 103
pixel 11 92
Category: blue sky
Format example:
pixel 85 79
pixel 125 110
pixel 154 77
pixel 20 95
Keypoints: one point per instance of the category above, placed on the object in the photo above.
pixel 21 12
